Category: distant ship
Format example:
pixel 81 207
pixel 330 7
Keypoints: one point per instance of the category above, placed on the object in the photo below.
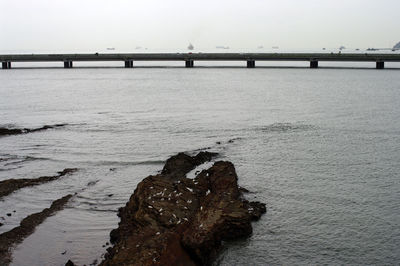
pixel 260 47
pixel 190 47
pixel 342 48
pixel 222 47
pixel 111 48
pixel 275 47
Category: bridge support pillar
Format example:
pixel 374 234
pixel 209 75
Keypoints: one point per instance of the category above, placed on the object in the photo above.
pixel 129 64
pixel 67 64
pixel 5 65
pixel 380 65
pixel 313 64
pixel 251 64
pixel 189 63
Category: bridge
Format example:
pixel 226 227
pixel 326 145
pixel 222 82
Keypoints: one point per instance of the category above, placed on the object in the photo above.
pixel 189 58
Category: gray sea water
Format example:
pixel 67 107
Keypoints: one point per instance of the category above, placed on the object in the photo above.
pixel 320 147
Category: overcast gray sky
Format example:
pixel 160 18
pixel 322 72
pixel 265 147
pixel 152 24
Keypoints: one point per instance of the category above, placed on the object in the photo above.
pixel 92 25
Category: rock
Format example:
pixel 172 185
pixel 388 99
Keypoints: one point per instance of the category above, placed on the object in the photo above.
pixel 8 186
pixel 233 140
pixel 7 131
pixel 179 165
pixel 27 227
pixel 16 131
pixel 69 263
pixel 92 183
pixel 1 224
pixel 173 220
pixel 8 214
pixel 67 171
pixel 243 190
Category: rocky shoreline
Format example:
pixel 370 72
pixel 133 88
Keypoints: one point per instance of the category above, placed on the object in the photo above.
pixel 174 220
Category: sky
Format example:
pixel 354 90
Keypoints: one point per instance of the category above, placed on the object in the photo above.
pixel 94 25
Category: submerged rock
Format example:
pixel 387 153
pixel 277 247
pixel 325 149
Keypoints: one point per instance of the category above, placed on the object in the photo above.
pixel 10 185
pixel 173 220
pixel 26 227
pixel 16 131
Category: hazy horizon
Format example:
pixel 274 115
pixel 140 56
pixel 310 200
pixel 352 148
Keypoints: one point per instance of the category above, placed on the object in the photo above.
pixel 91 25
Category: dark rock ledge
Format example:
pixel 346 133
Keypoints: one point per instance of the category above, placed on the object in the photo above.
pixel 10 185
pixel 16 131
pixel 173 220
pixel 26 227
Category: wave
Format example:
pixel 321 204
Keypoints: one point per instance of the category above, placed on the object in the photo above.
pixel 10 160
pixel 120 163
pixel 285 127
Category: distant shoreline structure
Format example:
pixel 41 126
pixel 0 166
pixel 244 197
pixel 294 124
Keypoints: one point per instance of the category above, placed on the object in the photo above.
pixel 189 58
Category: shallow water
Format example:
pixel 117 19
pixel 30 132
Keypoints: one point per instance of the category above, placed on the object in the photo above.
pixel 320 147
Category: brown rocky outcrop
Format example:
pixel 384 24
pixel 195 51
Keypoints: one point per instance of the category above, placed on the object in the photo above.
pixel 173 220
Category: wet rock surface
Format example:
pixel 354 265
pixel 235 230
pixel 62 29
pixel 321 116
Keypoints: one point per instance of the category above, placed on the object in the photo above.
pixel 10 185
pixel 26 227
pixel 173 220
pixel 16 131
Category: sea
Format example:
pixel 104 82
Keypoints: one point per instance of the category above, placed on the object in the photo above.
pixel 321 147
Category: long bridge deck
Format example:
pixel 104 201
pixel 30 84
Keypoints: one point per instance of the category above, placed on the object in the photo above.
pixel 189 58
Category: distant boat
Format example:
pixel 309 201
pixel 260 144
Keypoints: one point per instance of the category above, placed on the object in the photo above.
pixel 111 48
pixel 190 47
pixel 260 47
pixel 324 48
pixel 342 48
pixel 275 47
